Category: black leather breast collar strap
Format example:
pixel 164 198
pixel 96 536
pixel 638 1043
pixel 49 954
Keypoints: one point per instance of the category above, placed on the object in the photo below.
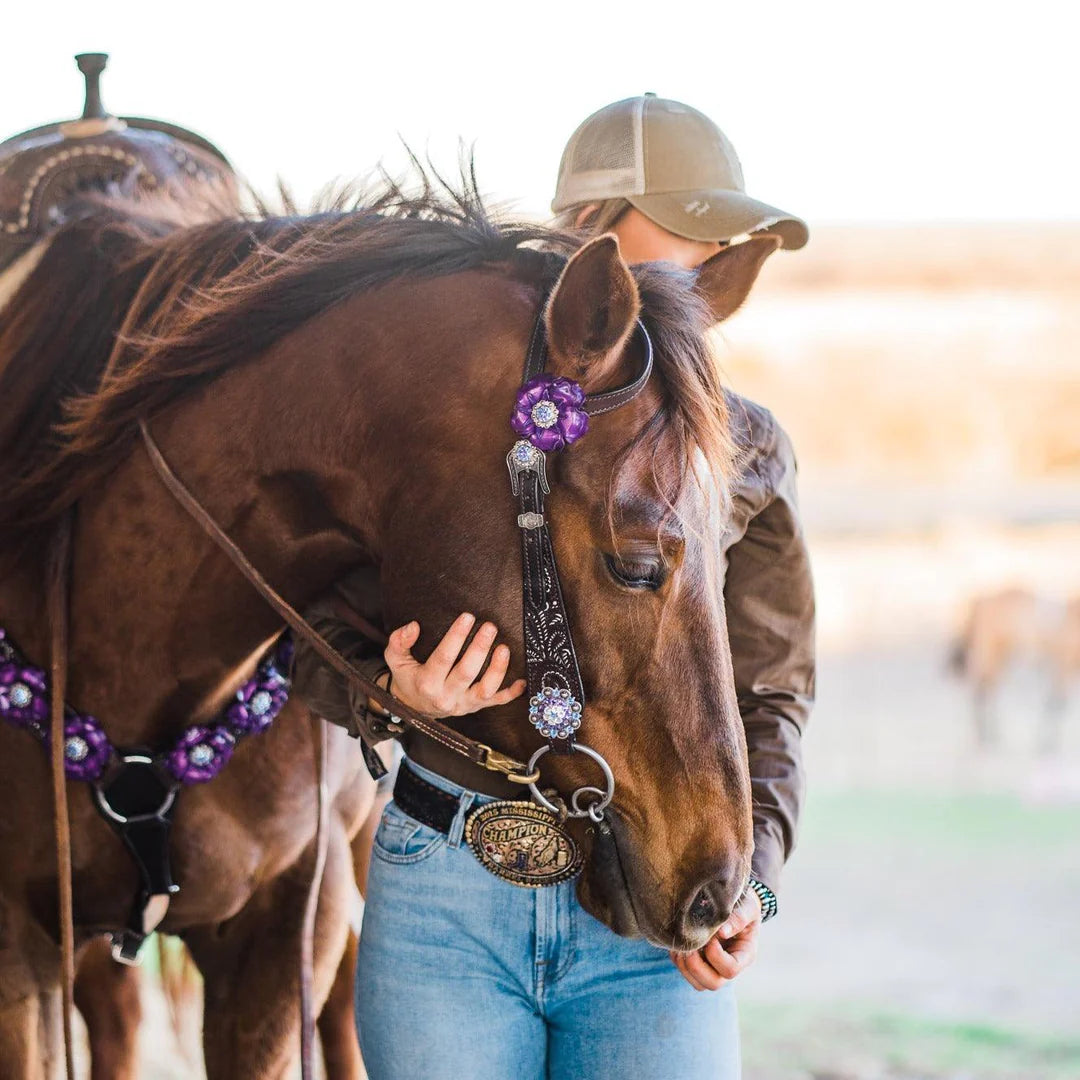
pixel 137 799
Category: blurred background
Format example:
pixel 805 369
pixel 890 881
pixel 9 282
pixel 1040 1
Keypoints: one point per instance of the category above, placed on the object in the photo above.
pixel 924 354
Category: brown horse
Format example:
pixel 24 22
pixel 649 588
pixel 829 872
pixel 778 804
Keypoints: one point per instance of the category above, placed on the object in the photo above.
pixel 1005 627
pixel 107 994
pixel 335 389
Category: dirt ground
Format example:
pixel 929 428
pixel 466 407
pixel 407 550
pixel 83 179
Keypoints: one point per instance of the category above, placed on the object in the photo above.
pixel 929 927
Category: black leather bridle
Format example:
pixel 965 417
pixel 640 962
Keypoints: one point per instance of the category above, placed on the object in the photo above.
pixel 555 688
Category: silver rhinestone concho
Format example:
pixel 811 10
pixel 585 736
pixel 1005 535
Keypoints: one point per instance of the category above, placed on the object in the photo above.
pixel 524 454
pixel 76 748
pixel 261 702
pixel 201 755
pixel 555 713
pixel 545 414
pixel 21 695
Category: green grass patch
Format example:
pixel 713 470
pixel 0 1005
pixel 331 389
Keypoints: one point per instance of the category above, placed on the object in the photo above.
pixel 980 822
pixel 799 1042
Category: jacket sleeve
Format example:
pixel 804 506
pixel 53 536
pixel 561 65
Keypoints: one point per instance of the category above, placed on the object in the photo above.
pixel 321 688
pixel 769 597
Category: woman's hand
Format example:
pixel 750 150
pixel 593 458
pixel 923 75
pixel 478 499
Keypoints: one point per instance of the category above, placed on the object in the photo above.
pixel 446 684
pixel 730 951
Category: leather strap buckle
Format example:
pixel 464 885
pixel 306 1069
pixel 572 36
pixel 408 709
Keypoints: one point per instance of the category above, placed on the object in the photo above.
pixel 510 767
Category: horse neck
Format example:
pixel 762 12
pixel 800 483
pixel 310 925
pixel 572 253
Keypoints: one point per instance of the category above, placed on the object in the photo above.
pixel 302 456
pixel 163 627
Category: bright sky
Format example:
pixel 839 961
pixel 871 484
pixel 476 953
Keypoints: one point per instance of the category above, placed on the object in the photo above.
pixel 840 109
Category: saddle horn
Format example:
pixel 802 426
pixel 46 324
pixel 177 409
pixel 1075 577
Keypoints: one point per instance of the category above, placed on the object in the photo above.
pixel 92 65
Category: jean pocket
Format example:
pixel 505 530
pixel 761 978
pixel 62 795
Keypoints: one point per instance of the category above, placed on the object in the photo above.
pixel 402 839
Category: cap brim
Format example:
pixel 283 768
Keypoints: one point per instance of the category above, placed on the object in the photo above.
pixel 719 215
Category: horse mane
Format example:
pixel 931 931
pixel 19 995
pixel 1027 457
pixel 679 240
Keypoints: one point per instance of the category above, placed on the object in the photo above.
pixel 180 301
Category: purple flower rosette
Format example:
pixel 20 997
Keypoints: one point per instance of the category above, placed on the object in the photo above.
pixel 24 695
pixel 258 702
pixel 200 753
pixel 548 412
pixel 86 747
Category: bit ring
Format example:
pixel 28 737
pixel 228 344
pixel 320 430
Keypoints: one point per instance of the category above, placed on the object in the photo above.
pixel 595 809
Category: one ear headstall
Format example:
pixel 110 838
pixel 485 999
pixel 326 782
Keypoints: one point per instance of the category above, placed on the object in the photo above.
pixel 550 414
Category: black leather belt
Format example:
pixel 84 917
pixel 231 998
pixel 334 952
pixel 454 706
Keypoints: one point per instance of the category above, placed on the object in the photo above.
pixel 418 798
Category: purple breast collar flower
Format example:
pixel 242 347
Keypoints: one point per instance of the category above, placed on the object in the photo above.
pixel 24 695
pixel 200 754
pixel 548 412
pixel 257 703
pixel 86 747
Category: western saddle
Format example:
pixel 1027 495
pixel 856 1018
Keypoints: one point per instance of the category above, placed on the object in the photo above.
pixel 51 174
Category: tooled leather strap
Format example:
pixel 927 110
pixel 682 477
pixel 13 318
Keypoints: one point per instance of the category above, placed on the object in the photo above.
pixel 551 662
pixel 476 752
pixel 556 692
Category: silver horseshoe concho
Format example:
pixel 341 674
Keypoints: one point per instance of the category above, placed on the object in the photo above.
pixel 522 843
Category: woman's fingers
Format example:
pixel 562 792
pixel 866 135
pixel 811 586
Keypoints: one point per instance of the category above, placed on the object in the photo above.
pixel 703 974
pixel 492 679
pixel 446 652
pixel 722 962
pixel 449 682
pixel 743 948
pixel 679 959
pixel 747 911
pixel 398 652
pixel 472 660
pixel 515 690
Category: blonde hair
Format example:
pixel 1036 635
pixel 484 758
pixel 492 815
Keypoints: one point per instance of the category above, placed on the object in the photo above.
pixel 601 219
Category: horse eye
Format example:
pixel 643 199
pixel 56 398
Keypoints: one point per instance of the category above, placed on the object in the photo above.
pixel 636 573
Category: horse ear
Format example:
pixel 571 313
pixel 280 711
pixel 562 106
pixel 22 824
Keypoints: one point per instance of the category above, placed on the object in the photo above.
pixel 726 279
pixel 592 311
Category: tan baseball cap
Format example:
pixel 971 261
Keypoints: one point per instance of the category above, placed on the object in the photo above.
pixel 673 164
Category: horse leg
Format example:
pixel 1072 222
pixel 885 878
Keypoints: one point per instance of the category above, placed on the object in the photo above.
pixel 337 1021
pixel 1053 716
pixel 337 1025
pixel 26 1052
pixel 31 1035
pixel 251 968
pixel 986 732
pixel 107 995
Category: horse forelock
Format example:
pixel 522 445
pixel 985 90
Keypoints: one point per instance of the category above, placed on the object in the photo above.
pixel 183 301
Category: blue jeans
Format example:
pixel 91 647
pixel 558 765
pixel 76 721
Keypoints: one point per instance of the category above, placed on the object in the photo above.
pixel 463 976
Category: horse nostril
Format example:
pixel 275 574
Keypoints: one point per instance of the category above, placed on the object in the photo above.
pixel 702 910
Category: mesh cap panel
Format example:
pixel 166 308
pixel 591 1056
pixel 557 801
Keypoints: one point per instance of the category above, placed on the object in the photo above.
pixel 603 158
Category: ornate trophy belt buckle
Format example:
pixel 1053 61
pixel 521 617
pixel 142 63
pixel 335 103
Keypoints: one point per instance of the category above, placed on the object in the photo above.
pixel 522 843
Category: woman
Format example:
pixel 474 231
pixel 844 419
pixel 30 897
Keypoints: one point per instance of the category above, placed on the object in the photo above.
pixel 512 982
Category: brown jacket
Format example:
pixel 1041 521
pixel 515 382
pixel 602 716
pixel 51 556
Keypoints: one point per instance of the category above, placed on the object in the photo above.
pixel 770 613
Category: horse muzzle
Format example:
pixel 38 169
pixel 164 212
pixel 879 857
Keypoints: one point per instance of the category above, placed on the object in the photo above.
pixel 620 889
